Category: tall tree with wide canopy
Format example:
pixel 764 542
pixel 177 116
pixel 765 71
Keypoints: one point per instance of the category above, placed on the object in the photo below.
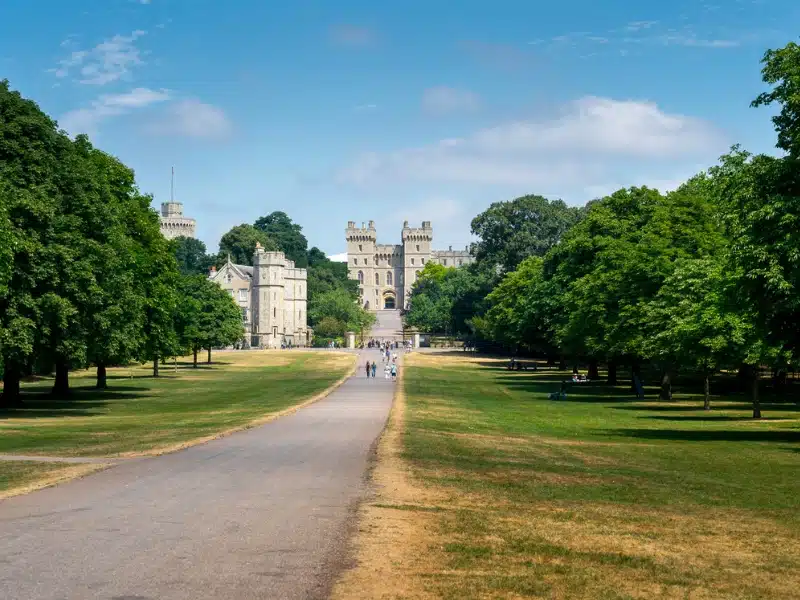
pixel 31 155
pixel 511 231
pixel 240 244
pixel 782 70
pixel 288 236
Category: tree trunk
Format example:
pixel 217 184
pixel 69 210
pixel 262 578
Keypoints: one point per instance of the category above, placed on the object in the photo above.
pixel 636 372
pixel 61 384
pixel 11 378
pixel 756 400
pixel 612 372
pixel 194 352
pixel 593 374
pixel 666 385
pixel 209 355
pixel 575 369
pixel 155 367
pixel 562 364
pixel 102 382
pixel 706 392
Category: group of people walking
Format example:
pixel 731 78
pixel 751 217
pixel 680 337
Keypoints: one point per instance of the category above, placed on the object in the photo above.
pixel 389 361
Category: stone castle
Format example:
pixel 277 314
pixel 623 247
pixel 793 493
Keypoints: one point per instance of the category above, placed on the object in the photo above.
pixel 386 272
pixel 272 297
pixel 173 223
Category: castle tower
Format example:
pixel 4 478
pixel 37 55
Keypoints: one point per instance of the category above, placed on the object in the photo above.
pixel 361 257
pixel 267 298
pixel 416 253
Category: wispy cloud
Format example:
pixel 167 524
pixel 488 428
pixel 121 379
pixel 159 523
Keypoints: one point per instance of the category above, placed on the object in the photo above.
pixel 639 25
pixel 586 145
pixel 193 118
pixel 363 107
pixel 443 99
pixel 499 56
pixel 87 120
pixel 351 35
pixel 109 61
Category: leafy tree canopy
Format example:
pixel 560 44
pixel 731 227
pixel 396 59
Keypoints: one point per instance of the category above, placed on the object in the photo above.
pixel 781 69
pixel 287 235
pixel 511 231
pixel 191 256
pixel 240 244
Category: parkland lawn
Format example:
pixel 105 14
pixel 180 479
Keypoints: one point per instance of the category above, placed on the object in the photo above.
pixel 596 497
pixel 139 414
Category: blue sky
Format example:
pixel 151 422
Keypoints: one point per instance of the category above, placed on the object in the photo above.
pixel 350 110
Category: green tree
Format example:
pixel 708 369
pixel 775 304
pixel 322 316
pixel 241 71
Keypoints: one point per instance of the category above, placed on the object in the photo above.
pixel 207 316
pixel 693 321
pixel 191 256
pixel 338 304
pixel 288 236
pixel 240 243
pixel 325 275
pixel 31 151
pixel 782 70
pixel 511 231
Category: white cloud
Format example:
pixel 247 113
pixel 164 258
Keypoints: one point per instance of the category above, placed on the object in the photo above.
pixel 351 35
pixel 593 141
pixel 193 118
pixel 362 107
pixel 109 61
pixel 86 120
pixel 443 99
pixel 342 257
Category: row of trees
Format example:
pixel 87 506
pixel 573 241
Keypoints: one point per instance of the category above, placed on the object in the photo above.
pixel 86 278
pixel 701 279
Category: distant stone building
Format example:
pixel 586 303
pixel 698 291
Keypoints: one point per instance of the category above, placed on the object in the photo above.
pixel 386 272
pixel 272 297
pixel 173 223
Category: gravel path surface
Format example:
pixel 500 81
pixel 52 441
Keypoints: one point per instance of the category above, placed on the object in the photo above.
pixel 264 513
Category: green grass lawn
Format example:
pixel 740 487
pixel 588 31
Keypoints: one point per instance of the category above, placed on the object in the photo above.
pixel 141 414
pixel 600 496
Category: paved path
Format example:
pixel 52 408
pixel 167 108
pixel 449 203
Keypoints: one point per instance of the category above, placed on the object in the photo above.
pixel 263 514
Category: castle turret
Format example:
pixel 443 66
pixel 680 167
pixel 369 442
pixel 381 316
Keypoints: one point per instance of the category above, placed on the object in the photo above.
pixel 361 257
pixel 267 298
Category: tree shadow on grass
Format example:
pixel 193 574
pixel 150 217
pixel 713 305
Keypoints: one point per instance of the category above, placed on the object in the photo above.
pixel 82 401
pixel 727 405
pixel 709 418
pixel 781 435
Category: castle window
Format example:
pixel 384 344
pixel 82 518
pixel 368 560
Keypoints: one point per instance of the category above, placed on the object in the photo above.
pixel 274 312
pixel 389 278
pixel 359 248
pixel 445 262
pixel 417 247
pixel 412 261
pixel 355 261
pixel 460 262
pixel 361 277
pixel 423 261
pixel 244 314
pixel 377 279
pixel 243 294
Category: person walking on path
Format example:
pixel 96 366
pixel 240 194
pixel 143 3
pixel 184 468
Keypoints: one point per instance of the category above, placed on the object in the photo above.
pixel 387 371
pixel 374 368
pixel 394 371
pixel 369 368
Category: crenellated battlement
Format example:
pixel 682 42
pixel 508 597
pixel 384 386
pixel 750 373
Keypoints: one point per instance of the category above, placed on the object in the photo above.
pixel 365 233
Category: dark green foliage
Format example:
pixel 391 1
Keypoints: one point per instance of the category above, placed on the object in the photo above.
pixel 510 232
pixel 191 256
pixel 240 244
pixel 288 236
pixel 782 70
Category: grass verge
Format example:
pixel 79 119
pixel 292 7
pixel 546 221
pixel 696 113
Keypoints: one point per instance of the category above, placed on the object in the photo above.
pixel 141 415
pixel 597 497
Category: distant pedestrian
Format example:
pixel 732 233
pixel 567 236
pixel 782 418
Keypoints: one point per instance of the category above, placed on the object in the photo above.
pixel 394 371
pixel 369 368
pixel 387 371
pixel 374 368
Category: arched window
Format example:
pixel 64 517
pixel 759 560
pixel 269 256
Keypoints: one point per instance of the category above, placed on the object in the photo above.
pixel 388 278
pixel 361 277
pixel 377 279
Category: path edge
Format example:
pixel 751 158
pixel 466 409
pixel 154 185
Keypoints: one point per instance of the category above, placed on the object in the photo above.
pixel 79 471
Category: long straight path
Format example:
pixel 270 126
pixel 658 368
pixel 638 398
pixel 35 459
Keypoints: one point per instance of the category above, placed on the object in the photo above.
pixel 264 513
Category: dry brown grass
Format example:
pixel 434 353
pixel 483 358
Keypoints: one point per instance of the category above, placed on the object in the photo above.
pixel 42 475
pixel 396 527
